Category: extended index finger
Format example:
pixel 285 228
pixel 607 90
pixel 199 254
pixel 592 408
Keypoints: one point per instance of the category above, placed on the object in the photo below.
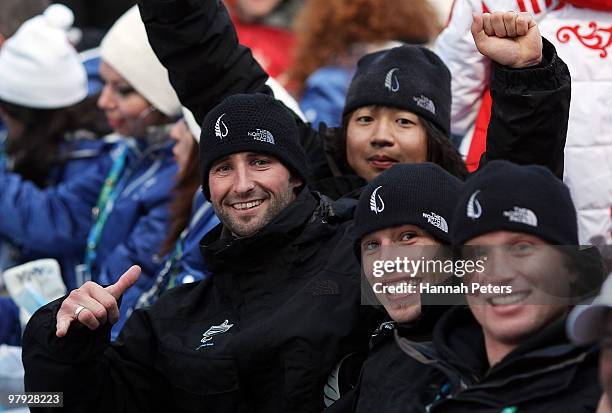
pixel 124 282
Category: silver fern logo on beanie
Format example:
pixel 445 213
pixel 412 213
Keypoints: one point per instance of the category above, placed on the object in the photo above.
pixel 391 82
pixel 474 210
pixel 218 124
pixel 374 202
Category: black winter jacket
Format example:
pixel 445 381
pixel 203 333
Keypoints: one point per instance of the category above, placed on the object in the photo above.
pixel 280 311
pixel 546 373
pixel 196 42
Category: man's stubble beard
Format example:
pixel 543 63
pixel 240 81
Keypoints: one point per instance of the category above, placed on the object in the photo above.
pixel 276 204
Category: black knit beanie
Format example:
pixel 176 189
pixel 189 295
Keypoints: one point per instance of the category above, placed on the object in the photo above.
pixel 421 194
pixel 251 123
pixel 505 196
pixel 407 77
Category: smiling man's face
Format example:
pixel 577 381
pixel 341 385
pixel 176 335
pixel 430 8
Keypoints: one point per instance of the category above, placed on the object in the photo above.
pixel 248 190
pixel 541 283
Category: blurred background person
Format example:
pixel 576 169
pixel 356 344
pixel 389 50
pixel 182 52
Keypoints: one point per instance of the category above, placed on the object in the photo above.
pixel 43 92
pixel 331 36
pixel 116 211
pixel 265 27
pixel 12 15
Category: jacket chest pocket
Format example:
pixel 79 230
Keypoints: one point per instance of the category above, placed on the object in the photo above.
pixel 200 383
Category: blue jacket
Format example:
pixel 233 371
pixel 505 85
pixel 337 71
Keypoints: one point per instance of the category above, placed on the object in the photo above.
pixel 10 327
pixel 182 266
pixel 324 95
pixel 55 222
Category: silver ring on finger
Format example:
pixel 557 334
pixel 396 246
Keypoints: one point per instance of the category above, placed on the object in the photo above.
pixel 78 311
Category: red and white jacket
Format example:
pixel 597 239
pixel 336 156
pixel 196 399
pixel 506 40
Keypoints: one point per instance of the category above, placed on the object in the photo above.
pixel 582 34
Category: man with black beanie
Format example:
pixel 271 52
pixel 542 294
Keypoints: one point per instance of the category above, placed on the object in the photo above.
pixel 282 307
pixel 405 212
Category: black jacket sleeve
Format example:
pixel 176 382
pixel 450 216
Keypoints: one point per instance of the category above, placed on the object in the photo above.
pixel 93 375
pixel 530 113
pixel 196 41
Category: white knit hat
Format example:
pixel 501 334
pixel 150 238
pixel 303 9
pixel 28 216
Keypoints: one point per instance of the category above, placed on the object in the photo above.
pixel 192 124
pixel 39 68
pixel 126 48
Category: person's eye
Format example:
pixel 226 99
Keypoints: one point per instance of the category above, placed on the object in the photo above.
pixel 365 119
pixel 369 246
pixel 222 169
pixel 261 162
pixel 125 90
pixel 474 252
pixel 405 122
pixel 522 248
pixel 407 236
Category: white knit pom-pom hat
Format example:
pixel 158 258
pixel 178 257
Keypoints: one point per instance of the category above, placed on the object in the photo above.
pixel 39 68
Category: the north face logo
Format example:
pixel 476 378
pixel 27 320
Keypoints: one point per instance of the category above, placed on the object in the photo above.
pixel 522 215
pixel 391 82
pixel 425 103
pixel 437 221
pixel 375 206
pixel 474 210
pixel 221 128
pixel 262 135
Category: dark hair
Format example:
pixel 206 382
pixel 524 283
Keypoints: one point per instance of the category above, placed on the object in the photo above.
pixel 440 149
pixel 187 183
pixel 35 149
pixel 355 22
pixel 588 264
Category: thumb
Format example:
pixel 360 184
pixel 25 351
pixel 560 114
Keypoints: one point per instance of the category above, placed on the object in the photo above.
pixel 124 282
pixel 478 32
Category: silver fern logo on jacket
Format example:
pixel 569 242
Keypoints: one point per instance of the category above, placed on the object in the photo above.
pixel 213 331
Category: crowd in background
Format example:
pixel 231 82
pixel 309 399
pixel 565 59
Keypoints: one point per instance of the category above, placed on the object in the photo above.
pixel 105 109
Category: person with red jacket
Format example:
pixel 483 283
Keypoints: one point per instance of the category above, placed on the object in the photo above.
pixel 581 31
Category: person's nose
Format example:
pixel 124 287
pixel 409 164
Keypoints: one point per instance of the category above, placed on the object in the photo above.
pixel 106 100
pixel 243 180
pixel 382 135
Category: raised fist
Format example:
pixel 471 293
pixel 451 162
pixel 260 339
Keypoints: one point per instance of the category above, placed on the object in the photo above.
pixel 508 38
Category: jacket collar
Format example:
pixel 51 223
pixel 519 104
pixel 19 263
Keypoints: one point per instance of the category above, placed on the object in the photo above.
pixel 458 338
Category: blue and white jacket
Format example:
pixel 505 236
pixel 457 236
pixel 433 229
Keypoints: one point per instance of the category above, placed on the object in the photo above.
pixel 55 221
pixel 184 265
